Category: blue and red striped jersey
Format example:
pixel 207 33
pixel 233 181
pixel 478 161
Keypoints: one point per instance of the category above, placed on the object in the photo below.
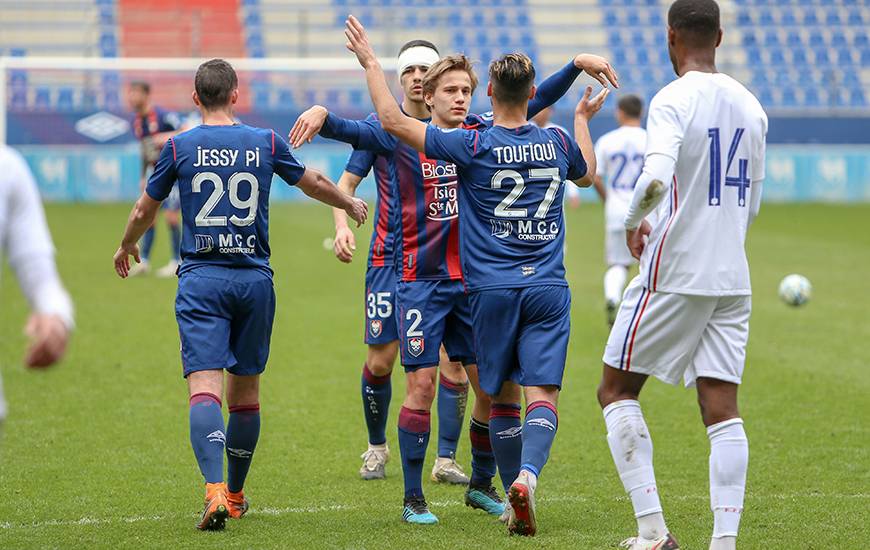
pixel 383 241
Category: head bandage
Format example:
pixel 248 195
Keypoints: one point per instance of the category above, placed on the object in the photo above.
pixel 417 55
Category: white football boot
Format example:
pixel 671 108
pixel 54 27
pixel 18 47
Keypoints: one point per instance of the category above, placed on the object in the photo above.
pixel 667 542
pixel 374 462
pixel 446 470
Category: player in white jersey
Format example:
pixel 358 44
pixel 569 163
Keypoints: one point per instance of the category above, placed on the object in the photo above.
pixel 619 155
pixel 686 315
pixel 26 242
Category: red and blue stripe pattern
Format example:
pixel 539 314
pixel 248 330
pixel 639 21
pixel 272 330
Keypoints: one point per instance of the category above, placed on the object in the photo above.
pixel 656 256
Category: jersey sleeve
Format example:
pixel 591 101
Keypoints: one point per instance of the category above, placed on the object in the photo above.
pixel 665 128
pixel 283 162
pixel 553 88
pixel 360 162
pixel 456 145
pixel 163 178
pixel 366 134
pixel 576 163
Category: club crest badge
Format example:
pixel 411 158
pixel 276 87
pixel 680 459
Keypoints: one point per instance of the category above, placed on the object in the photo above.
pixel 416 346
pixel 376 326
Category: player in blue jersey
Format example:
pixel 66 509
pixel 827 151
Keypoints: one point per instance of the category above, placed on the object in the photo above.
pixel 225 303
pixel 512 240
pixel 381 331
pixel 152 126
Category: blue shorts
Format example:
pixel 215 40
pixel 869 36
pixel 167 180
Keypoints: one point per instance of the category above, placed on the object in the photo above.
pixel 225 319
pixel 432 313
pixel 521 335
pixel 381 305
pixel 173 200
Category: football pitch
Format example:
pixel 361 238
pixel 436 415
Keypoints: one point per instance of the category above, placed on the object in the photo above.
pixel 96 454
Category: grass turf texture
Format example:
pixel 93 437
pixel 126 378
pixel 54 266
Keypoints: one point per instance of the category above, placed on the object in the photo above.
pixel 96 452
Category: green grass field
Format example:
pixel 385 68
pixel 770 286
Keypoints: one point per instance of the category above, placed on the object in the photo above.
pixel 96 454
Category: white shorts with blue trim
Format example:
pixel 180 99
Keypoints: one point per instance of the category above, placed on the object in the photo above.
pixel 679 336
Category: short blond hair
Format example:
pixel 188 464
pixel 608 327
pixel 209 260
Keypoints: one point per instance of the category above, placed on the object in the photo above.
pixel 455 62
pixel 512 77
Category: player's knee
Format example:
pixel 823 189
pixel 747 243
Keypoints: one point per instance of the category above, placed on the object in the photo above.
pixel 610 393
pixel 714 411
pixel 422 390
pixel 379 366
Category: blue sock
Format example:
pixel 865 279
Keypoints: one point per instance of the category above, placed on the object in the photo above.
pixel 243 430
pixel 539 431
pixel 147 243
pixel 505 435
pixel 207 435
pixel 482 458
pixel 452 398
pixel 376 393
pixel 175 238
pixel 413 439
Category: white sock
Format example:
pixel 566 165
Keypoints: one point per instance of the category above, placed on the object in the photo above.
pixel 632 450
pixel 729 458
pixel 614 283
pixel 723 543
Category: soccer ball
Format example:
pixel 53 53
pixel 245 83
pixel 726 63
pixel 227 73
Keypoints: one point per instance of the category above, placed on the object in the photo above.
pixel 795 290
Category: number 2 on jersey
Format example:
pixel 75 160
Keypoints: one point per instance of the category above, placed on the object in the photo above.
pixel 741 181
pixel 504 210
pixel 204 217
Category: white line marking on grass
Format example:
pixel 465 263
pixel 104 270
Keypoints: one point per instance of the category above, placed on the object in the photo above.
pixel 6 525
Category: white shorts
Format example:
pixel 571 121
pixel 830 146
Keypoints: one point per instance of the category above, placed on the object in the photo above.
pixel 615 250
pixel 673 336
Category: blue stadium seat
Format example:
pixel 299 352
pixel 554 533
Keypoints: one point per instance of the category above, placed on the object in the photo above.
pixel 749 38
pixel 17 52
pixel 614 38
pixel 766 18
pixel 743 18
pixel 523 19
pixel 777 57
pixel 357 97
pixel 18 79
pixel 754 56
pixel 844 56
pixel 459 40
pixel 43 98
pixel 18 99
pixel 633 18
pixel 850 78
pixel 811 97
pixel 505 40
pixel 782 78
pixel 107 15
pixel 637 40
pixel 500 18
pixel 860 40
pixel 286 101
pixel 821 55
pixel 610 18
pixel 642 57
pixel 794 39
pixel 771 39
pixel 619 58
pixel 478 19
pixel 787 18
pixel 810 17
pixel 789 99
pixel 838 40
pixel 655 19
pixel 832 17
pixel 865 57
pixel 799 56
pixel 261 99
pixel 65 99
pixel 816 39
pixel 855 17
pixel 454 19
pixel 856 98
pixel 527 40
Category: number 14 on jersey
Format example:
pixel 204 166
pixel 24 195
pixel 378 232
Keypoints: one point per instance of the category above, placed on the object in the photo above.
pixel 740 181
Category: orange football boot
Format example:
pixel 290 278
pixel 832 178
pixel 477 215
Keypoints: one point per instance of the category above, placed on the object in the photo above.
pixel 238 504
pixel 214 517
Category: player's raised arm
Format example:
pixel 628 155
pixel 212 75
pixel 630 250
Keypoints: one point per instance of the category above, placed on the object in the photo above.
pixel 344 243
pixel 408 129
pixel 558 84
pixel 320 188
pixel 585 110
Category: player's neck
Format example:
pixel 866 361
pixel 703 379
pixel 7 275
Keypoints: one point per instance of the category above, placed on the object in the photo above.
pixel 416 109
pixel 702 62
pixel 632 123
pixel 144 110
pixel 217 118
pixel 510 117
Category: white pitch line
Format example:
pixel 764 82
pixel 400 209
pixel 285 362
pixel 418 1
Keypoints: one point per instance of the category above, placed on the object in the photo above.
pixel 345 507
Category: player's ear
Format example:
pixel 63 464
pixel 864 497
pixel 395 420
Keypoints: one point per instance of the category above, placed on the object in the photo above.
pixel 719 38
pixel 429 99
pixel 672 37
pixel 195 98
pixel 532 92
pixel 234 97
pixel 489 89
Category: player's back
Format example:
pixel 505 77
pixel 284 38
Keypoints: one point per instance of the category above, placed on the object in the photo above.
pixel 511 213
pixel 715 129
pixel 619 154
pixel 225 176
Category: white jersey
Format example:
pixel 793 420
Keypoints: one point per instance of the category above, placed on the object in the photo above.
pixel 619 155
pixel 715 130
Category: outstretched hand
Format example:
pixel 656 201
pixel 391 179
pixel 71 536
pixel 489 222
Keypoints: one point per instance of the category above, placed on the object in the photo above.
pixel 358 210
pixel 122 259
pixel 358 42
pixel 598 68
pixel 587 108
pixel 307 126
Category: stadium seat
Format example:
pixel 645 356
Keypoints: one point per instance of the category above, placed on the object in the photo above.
pixel 838 39
pixel 789 99
pixel 777 57
pixel 633 18
pixel 749 39
pixel 810 17
pixel 610 18
pixel 523 19
pixel 42 99
pixel 857 98
pixel 855 18
pixel 787 18
pixel 844 56
pixel 743 18
pixel 771 39
pixel 811 97
pixel 832 17
pixel 65 99
pixel 642 57
pixel 821 55
pixel 816 39
pixel 18 100
pixel 754 56
pixel 656 19
pixel 765 18
pixel 865 57
pixel 860 40
pixel 799 56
